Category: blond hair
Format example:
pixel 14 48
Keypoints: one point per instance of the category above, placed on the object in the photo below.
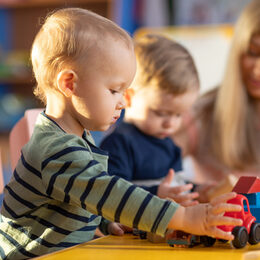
pixel 233 126
pixel 68 38
pixel 164 64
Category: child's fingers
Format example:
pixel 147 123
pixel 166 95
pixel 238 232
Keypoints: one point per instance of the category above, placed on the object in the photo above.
pixel 181 188
pixel 216 232
pixel 223 198
pixel 115 229
pixel 224 207
pixel 185 197
pixel 223 220
pixel 193 195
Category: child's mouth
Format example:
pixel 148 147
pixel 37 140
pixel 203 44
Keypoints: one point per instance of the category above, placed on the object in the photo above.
pixel 115 118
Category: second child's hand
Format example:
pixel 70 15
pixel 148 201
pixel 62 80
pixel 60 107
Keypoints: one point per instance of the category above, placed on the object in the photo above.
pixel 165 190
pixel 118 229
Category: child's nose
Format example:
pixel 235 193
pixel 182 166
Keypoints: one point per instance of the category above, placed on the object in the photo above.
pixel 170 122
pixel 121 104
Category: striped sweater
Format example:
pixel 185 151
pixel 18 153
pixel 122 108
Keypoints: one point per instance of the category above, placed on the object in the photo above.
pixel 59 191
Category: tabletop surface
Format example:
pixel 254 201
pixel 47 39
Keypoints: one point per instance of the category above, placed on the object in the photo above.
pixel 132 247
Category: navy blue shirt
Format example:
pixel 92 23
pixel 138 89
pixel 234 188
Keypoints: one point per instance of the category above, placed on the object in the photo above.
pixel 134 155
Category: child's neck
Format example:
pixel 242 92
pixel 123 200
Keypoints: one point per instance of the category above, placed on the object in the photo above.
pixel 59 111
pixel 133 122
pixel 129 119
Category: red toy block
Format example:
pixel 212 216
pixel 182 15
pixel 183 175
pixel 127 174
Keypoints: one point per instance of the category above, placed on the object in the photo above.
pixel 247 184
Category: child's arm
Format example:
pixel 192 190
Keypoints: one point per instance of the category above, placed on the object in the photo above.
pixel 203 219
pixel 74 177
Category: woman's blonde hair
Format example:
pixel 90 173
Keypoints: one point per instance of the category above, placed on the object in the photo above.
pixel 164 64
pixel 68 38
pixel 233 127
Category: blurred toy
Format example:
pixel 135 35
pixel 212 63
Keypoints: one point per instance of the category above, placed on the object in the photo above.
pixel 224 186
pixel 182 239
pixel 151 237
pixel 142 234
pixel 250 229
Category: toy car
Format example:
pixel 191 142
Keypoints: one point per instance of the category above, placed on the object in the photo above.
pixel 250 229
pixel 182 239
pixel 142 234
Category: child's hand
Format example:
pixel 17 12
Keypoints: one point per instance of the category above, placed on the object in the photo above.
pixel 203 219
pixel 118 229
pixel 165 190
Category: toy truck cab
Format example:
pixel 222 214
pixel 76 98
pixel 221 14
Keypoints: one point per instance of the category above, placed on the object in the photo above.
pixel 250 230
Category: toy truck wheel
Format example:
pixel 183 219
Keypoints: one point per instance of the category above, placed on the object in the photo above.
pixel 143 235
pixel 207 241
pixel 254 235
pixel 241 237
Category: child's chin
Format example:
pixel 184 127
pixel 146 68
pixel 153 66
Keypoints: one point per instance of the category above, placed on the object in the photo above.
pixel 104 128
pixel 160 136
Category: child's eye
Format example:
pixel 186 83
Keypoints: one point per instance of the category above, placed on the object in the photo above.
pixel 158 113
pixel 113 91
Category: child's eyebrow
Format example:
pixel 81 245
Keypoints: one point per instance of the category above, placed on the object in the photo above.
pixel 167 111
pixel 120 85
pixel 118 82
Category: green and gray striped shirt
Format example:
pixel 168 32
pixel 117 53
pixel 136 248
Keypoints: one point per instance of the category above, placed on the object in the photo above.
pixel 59 191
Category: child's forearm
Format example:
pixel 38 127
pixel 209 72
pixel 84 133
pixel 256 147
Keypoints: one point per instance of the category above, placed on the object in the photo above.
pixel 177 220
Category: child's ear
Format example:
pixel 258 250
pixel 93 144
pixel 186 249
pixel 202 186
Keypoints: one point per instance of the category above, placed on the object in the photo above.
pixel 66 82
pixel 128 96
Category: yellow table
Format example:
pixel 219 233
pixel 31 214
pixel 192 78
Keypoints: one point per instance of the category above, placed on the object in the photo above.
pixel 132 247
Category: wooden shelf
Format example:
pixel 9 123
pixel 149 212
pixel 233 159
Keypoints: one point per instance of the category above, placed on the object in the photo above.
pixel 25 17
pixel 17 80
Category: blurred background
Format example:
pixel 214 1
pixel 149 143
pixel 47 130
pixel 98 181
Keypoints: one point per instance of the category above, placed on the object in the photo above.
pixel 203 26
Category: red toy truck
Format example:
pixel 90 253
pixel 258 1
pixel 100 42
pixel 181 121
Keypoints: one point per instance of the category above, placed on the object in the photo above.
pixel 250 230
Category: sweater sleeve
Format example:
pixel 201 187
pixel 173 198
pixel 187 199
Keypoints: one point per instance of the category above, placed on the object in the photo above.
pixel 73 176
